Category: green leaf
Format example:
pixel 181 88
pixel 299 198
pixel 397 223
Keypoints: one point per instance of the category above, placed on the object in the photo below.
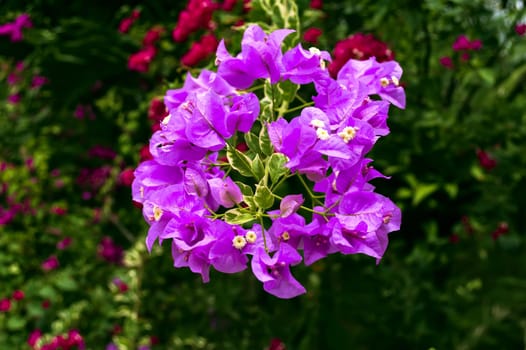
pixel 487 75
pixel 286 90
pixel 264 142
pixel 47 292
pixel 15 322
pixel 284 14
pixel 248 194
pixel 252 141
pixel 510 84
pixel 422 191
pixel 451 189
pixel 66 283
pixel 276 164
pixel 266 112
pixel 238 216
pixel 263 197
pixel 240 162
pixel 245 189
pixel 258 167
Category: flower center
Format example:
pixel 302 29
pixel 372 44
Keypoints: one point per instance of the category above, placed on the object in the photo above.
pixel 251 236
pixel 239 242
pixel 157 213
pixel 348 133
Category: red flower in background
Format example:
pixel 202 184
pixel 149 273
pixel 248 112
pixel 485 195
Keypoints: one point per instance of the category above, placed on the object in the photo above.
pixel 145 154
pixel 276 344
pixel 126 23
pixel 126 177
pixel 110 251
pixel 311 35
pixel 141 60
pixel 200 50
pixel 316 4
pixel 359 47
pixel 34 338
pixel 485 160
pixel 501 229
pixel 14 29
pixel 18 295
pixel 228 5
pixel 5 305
pixel 152 36
pixel 50 263
pixel 520 29
pixel 196 15
pixel 157 110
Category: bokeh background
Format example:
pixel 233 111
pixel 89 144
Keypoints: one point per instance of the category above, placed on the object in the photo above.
pixel 81 86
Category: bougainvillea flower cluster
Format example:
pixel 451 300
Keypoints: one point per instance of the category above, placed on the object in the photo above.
pixel 200 50
pixel 126 24
pixel 359 47
pixel 463 45
pixel 297 190
pixel 196 15
pixel 14 29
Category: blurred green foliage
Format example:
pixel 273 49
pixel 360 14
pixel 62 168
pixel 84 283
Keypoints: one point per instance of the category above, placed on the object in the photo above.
pixel 445 281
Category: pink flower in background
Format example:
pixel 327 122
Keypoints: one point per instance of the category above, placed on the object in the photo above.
pixel 501 229
pixel 447 62
pixel 58 210
pixel 520 29
pixel 38 81
pixel 19 67
pixel 228 5
pixel 152 36
pixel 5 305
pixel 126 23
pixel 46 304
pixel 120 284
pixel 34 337
pixel 157 110
pixel 110 251
pixel 102 152
pixel 50 263
pixel 485 160
pixel 276 344
pixel 14 29
pixel 84 111
pixel 6 216
pixel 145 154
pixel 464 44
pixel 14 99
pixel 64 243
pixel 13 79
pixel 18 295
pixel 316 4
pixel 93 179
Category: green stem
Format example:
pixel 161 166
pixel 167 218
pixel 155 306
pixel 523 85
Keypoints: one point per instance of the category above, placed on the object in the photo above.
pixel 260 218
pixel 255 88
pixel 306 104
pixel 314 198
pixel 324 214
